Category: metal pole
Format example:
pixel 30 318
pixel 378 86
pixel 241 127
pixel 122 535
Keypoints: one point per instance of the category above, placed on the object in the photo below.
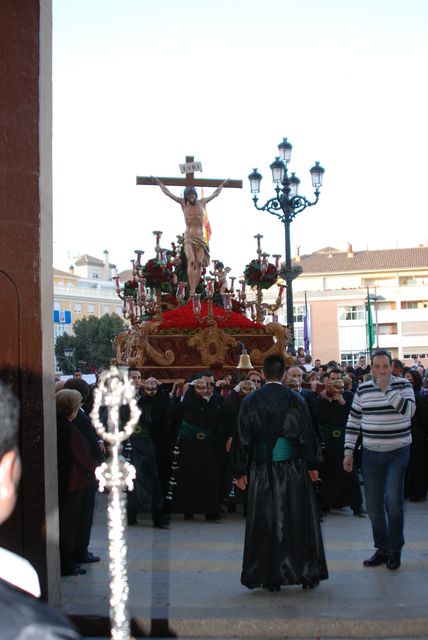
pixel 376 320
pixel 289 288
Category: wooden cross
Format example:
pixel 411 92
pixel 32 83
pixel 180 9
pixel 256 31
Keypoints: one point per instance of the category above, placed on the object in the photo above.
pixel 190 180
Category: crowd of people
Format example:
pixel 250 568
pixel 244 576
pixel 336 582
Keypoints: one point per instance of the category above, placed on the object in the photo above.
pixel 208 446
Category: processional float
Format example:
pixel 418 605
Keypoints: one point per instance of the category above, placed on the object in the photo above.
pixel 174 334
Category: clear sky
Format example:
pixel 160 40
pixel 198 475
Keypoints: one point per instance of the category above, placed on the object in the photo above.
pixel 138 85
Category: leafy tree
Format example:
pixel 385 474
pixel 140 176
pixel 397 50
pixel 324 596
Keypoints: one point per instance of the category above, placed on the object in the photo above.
pixel 92 342
pixel 62 343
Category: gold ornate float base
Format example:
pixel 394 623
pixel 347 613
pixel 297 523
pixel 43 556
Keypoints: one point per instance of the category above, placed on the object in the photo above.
pixel 173 356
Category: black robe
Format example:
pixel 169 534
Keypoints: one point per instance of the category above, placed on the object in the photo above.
pixel 148 451
pixel 337 488
pixel 416 484
pixel 195 477
pixel 283 541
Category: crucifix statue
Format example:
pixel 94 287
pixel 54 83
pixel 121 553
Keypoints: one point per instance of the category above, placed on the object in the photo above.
pixel 195 247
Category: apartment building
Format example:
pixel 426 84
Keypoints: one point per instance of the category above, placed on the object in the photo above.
pixel 337 283
pixel 86 289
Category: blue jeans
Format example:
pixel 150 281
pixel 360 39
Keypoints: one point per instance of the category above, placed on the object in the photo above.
pixel 384 474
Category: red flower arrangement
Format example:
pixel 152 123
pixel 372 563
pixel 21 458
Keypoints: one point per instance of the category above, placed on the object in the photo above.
pixel 130 289
pixel 158 276
pixel 184 318
pixel 255 277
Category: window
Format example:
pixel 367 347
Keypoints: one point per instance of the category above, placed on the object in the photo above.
pixel 352 312
pixel 95 274
pixel 350 359
pixel 77 307
pixel 91 308
pixel 59 330
pixel 298 311
pixel 106 309
pixel 410 356
pixel 387 329
pixel 118 310
pixel 298 337
pixel 414 304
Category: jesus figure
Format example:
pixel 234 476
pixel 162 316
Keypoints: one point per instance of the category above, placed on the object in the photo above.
pixel 196 249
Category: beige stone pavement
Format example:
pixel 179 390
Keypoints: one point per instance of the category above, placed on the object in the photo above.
pixel 189 575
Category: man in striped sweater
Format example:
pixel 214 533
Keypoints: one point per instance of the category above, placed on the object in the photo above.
pixel 381 411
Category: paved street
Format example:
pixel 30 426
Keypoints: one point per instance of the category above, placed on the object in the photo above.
pixel 190 574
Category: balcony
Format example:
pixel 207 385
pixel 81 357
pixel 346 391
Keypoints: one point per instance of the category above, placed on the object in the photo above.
pixel 77 293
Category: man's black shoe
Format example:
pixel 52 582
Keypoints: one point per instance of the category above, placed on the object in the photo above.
pixel 376 559
pixel 359 512
pixel 213 517
pixel 131 517
pixel 90 558
pixel 75 571
pixel 394 560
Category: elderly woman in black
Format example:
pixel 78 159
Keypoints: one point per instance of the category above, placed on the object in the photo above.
pixel 75 470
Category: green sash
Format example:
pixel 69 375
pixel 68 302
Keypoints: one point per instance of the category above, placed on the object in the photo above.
pixel 193 431
pixel 330 432
pixel 284 449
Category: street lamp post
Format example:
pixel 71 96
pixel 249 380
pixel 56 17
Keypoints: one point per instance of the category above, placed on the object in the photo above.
pixel 68 353
pixel 286 205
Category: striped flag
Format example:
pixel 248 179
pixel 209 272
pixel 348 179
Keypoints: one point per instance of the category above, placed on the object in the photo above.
pixel 207 226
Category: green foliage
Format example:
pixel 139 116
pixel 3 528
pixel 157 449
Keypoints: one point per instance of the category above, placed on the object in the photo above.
pixel 92 343
pixel 62 343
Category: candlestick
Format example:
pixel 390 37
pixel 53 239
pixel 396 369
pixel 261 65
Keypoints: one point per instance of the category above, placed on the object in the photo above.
pixel 139 254
pixel 181 288
pixel 196 304
pixel 258 238
pixel 162 257
pixel 158 235
pixel 277 257
pixel 210 287
pixel 227 301
pixel 264 263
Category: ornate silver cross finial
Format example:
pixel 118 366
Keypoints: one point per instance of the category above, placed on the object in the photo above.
pixel 114 390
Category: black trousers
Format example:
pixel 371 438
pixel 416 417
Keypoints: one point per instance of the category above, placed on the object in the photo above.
pixel 83 533
pixel 76 513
